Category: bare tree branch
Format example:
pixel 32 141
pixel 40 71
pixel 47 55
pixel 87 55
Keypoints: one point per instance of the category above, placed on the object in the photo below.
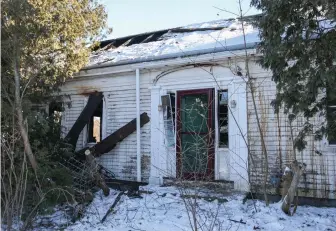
pixel 224 10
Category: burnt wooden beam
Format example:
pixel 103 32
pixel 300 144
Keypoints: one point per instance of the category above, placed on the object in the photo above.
pixel 153 37
pixel 124 185
pixel 128 42
pixel 112 140
pixel 84 118
pixel 188 30
pixel 148 38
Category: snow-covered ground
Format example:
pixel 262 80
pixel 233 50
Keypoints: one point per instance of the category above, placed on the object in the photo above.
pixel 164 210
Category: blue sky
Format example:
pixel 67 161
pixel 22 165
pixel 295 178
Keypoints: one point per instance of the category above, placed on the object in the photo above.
pixel 128 17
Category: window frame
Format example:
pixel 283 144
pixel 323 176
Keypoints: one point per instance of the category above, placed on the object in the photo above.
pixel 103 118
pixel 168 102
pixel 90 129
pixel 331 142
pixel 218 95
pixel 331 105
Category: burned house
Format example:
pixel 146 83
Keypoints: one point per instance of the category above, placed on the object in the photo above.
pixel 183 95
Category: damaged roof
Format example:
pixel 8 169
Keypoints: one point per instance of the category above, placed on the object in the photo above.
pixel 208 37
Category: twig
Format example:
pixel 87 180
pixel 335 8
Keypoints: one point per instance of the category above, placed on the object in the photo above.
pixel 227 11
pixel 241 221
pixel 112 206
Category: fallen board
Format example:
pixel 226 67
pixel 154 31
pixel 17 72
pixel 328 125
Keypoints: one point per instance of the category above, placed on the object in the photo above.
pixel 112 206
pixel 124 185
pixel 121 185
pixel 112 140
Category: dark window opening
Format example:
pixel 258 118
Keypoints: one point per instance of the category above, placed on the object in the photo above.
pixel 55 111
pixel 331 116
pixel 223 118
pixel 95 125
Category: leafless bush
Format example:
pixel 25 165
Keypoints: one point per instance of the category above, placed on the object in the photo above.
pixel 13 182
pixel 15 185
pixel 27 194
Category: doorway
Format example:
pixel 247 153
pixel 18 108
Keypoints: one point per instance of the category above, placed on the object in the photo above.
pixel 195 134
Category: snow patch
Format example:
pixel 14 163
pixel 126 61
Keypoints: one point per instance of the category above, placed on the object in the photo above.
pixel 214 24
pixel 287 169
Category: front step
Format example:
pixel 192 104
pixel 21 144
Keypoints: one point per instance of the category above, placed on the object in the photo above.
pixel 217 186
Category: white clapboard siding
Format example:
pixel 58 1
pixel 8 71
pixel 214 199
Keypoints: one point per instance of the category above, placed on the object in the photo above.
pixel 120 105
pixel 72 109
pixel 319 180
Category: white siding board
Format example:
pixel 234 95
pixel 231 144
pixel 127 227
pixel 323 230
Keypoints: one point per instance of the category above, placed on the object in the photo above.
pixel 71 115
pixel 119 93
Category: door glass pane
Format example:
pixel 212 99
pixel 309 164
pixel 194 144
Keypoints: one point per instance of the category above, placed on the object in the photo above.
pixel 194 113
pixel 194 153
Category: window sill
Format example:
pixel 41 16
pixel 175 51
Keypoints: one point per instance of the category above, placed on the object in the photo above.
pixel 222 148
pixel 91 144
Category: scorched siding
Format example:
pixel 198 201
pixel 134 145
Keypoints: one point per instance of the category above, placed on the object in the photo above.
pixel 120 108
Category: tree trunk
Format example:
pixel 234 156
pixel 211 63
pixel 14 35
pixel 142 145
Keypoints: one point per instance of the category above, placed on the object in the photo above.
pixel 297 170
pixel 18 108
pixel 95 173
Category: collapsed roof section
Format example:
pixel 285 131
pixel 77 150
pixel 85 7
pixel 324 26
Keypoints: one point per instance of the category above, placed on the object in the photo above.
pixel 176 41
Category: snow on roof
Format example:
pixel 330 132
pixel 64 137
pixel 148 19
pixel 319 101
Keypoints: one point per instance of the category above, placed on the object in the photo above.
pixel 214 34
pixel 213 24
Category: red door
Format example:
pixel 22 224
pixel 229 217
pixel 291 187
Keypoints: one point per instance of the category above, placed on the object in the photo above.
pixel 195 146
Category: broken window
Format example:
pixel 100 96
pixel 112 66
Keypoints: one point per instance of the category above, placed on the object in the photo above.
pixel 223 118
pixel 331 117
pixel 168 107
pixel 94 127
pixel 172 111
